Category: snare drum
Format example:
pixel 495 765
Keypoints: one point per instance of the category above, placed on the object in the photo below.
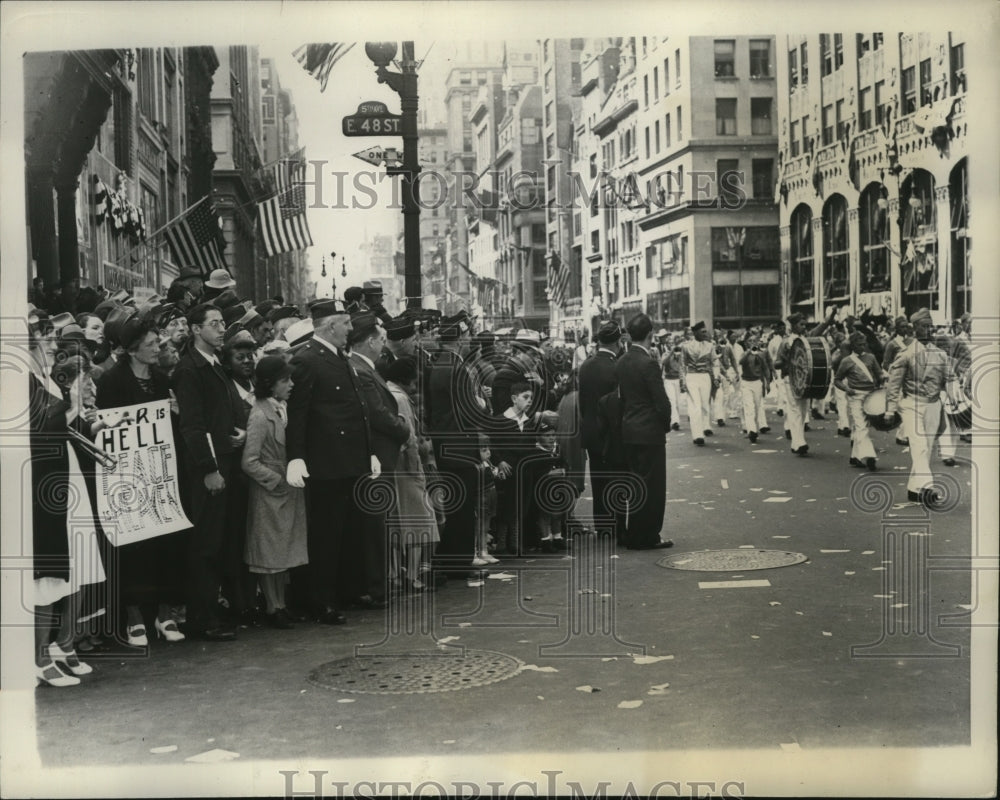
pixel 959 412
pixel 874 406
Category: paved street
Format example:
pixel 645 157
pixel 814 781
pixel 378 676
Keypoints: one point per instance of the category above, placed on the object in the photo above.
pixel 730 667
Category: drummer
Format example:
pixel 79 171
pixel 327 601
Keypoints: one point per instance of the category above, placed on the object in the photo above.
pixel 797 407
pixel 916 379
pixel 858 375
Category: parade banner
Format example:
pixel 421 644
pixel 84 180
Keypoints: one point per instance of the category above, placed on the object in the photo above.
pixel 138 496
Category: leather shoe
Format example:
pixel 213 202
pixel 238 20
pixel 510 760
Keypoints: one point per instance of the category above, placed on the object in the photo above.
pixel 280 619
pixel 765 429
pixel 949 462
pixel 675 427
pixel 856 462
pixel 870 463
pixel 656 546
pixel 700 442
pixel 801 451
pixel 332 617
pixel 753 437
pixel 709 432
pixel 788 434
pixel 220 634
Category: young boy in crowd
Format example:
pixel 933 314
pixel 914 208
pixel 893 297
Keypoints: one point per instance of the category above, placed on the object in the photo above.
pixel 542 473
pixel 513 439
pixel 487 507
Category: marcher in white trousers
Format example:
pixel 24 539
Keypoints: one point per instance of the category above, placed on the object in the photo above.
pixel 861 440
pixel 754 417
pixel 699 392
pixel 673 389
pixel 843 419
pixel 921 419
pixel 796 410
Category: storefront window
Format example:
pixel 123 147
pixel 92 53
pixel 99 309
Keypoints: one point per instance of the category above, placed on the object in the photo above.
pixel 801 277
pixel 835 250
pixel 918 265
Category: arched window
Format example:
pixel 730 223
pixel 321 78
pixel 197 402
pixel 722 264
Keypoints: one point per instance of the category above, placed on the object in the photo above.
pixel 874 228
pixel 918 221
pixel 801 277
pixel 961 274
pixel 836 256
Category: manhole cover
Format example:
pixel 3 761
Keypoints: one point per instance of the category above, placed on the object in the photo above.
pixel 731 560
pixel 414 674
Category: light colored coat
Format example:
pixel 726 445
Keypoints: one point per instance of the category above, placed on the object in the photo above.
pixel 413 511
pixel 276 522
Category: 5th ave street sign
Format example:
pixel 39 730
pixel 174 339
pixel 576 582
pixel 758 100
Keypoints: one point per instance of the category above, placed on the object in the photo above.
pixel 373 119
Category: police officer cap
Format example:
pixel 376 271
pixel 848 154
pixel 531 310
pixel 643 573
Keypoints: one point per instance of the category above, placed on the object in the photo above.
pixel 609 333
pixel 399 328
pixel 327 307
pixel 363 323
pixel 282 312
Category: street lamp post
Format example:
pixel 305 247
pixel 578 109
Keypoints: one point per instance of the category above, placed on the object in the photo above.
pixel 404 83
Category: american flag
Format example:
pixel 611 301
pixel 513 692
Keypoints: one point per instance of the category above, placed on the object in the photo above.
pixel 558 279
pixel 282 218
pixel 195 239
pixel 318 59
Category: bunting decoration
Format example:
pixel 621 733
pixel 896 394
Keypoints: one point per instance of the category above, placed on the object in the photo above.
pixel 319 59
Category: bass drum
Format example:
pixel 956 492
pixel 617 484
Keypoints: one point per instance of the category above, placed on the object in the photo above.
pixel 808 368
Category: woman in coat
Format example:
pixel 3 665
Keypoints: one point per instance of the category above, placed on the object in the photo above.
pixel 413 512
pixel 276 522
pixel 150 571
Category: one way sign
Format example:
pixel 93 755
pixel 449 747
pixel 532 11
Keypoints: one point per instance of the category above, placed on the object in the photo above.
pixel 378 155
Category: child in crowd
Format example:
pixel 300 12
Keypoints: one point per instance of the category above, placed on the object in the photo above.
pixel 513 440
pixel 543 472
pixel 487 506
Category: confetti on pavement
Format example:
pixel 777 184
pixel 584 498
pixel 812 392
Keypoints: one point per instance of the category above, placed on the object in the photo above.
pixel 827 633
pixel 774 603
pixel 776 491
pixel 878 569
pixel 212 757
pixel 835 551
pixel 501 576
pixel 754 636
pixel 758 490
pixel 660 688
pixel 170 748
pixel 630 704
pixel 347 700
pixel 725 483
pixel 447 639
pixel 759 452
pixel 867 552
pixel 781 537
pixel 650 659
pixel 849 572
pixel 777 499
pixel 535 668
pixel 589 689
pixel 759 584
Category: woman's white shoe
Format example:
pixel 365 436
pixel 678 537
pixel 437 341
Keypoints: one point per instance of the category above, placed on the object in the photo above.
pixel 168 630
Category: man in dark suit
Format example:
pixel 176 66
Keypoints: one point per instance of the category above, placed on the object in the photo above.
pixel 328 442
pixel 597 378
pixel 388 433
pixel 645 421
pixel 208 407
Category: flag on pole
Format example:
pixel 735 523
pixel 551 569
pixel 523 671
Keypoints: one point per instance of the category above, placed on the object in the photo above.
pixel 558 279
pixel 195 239
pixel 282 218
pixel 318 59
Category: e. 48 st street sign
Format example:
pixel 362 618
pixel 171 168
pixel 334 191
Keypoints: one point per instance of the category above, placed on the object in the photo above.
pixel 373 119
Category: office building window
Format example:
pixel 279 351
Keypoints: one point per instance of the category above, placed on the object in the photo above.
pixel 725 117
pixel 725 58
pixel 760 58
pixel 909 88
pixel 926 90
pixel 666 131
pixel 793 138
pixel 838 51
pixel 827 125
pixel 666 77
pixel 880 105
pixel 957 68
pixel 865 109
pixel 645 90
pixel 656 137
pixel 760 116
pixel 656 82
pixel 841 122
pixel 647 142
pixel 793 68
pixel 677 66
pixel 825 55
pixel 146 77
pixel 728 181
pixel 680 125
pixel 763 179
pixel 804 63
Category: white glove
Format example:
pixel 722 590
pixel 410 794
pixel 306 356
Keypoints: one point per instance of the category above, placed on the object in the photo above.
pixel 296 473
pixel 376 466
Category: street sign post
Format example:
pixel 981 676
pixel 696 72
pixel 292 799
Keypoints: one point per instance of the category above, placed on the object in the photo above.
pixel 373 119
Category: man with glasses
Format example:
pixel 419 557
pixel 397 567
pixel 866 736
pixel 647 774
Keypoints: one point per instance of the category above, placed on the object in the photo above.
pixel 916 379
pixel 208 405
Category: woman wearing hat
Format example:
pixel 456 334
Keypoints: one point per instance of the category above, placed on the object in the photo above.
pixel 276 520
pixel 147 572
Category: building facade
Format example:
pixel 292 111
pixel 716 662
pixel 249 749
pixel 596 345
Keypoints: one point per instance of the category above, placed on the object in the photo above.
pixel 874 173
pixel 434 212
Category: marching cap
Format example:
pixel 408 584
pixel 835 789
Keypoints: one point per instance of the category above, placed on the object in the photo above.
pixel 299 332
pixel 901 321
pixel 399 328
pixel 921 315
pixel 609 333
pixel 239 340
pixel 220 279
pixel 795 318
pixel 698 326
pixel 327 307
pixel 857 337
pixel 282 312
